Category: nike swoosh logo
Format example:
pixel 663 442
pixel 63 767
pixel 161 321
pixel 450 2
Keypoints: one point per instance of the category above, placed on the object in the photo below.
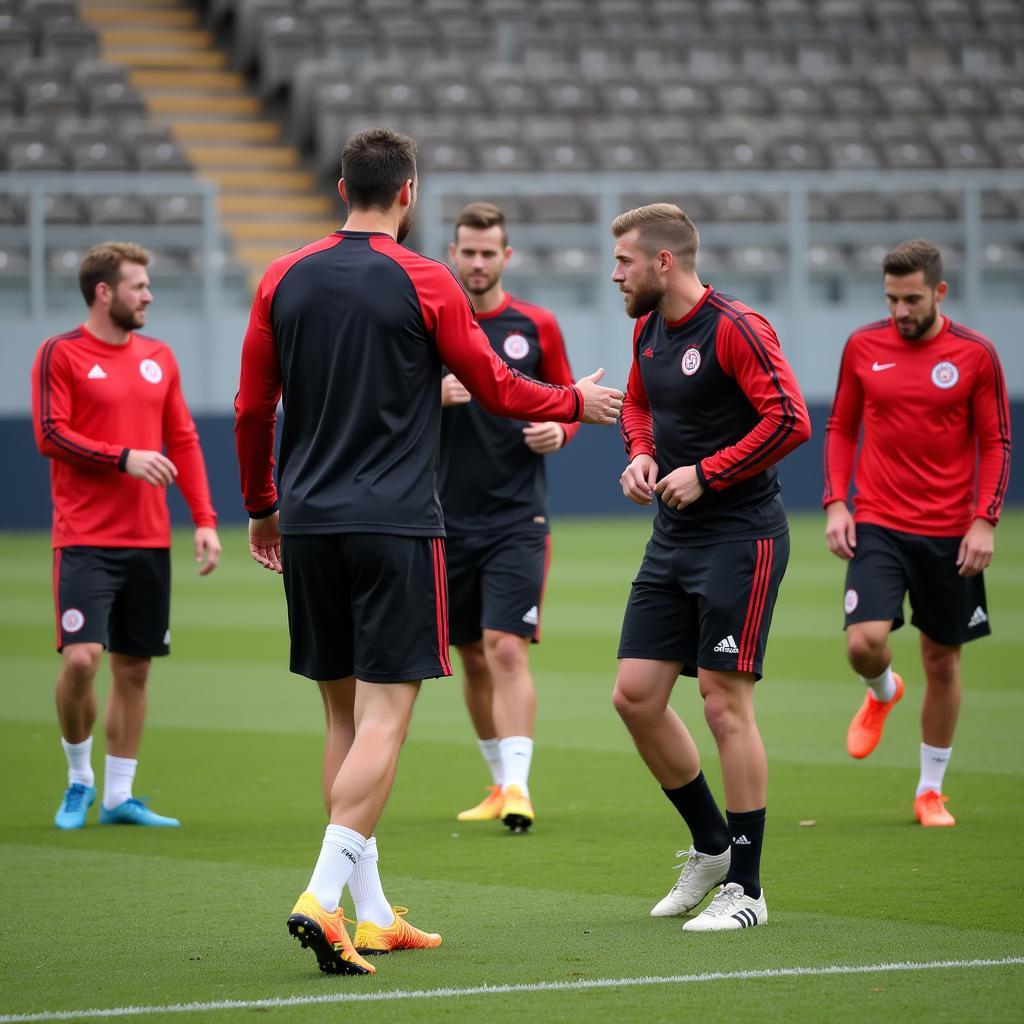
pixel 881 366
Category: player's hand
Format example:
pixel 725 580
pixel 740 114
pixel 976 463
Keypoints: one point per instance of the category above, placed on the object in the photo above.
pixel 453 391
pixel 600 404
pixel 544 438
pixel 680 488
pixel 265 542
pixel 638 479
pixel 207 549
pixel 840 530
pixel 153 467
pixel 976 548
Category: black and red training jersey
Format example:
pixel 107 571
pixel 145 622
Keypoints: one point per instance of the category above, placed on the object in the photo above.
pixel 713 390
pixel 489 477
pixel 351 331
pixel 936 423
pixel 92 402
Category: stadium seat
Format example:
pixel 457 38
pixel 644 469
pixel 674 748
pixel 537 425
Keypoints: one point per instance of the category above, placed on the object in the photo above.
pixel 564 208
pixel 178 209
pixel 99 156
pixel 855 206
pixel 159 157
pixel 285 41
pixel 69 40
pixel 509 90
pixel 34 156
pixel 115 100
pixel 507 155
pixel 63 209
pixel 16 39
pixel 117 209
pixel 446 155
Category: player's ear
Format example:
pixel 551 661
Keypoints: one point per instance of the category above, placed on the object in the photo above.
pixel 342 192
pixel 451 251
pixel 508 255
pixel 941 290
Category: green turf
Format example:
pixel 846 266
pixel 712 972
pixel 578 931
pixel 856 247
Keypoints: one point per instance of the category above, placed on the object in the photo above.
pixel 112 917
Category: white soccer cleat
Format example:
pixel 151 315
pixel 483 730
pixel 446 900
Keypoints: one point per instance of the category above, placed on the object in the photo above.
pixel 731 908
pixel 701 873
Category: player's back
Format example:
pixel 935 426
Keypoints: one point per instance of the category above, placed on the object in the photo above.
pixel 360 375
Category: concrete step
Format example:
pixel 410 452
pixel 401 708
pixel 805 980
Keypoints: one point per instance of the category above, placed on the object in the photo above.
pixel 262 181
pixel 208 157
pixel 187 80
pixel 155 17
pixel 238 208
pixel 156 39
pixel 203 106
pixel 174 59
pixel 226 131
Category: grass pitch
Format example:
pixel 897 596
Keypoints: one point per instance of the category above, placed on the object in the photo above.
pixel 118 917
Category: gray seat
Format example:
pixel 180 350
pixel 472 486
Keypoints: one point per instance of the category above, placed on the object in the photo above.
pixel 88 73
pixel 446 155
pixel 13 262
pixel 178 209
pixel 686 99
pixel 50 99
pixel 756 259
pixel 453 93
pixel 135 132
pixel 959 145
pixel 744 97
pixel 853 156
pixel 570 96
pixel 316 83
pixel 69 40
pixel 681 155
pixel 62 209
pixel 922 206
pixel 507 155
pixel 853 96
pixel 797 96
pixel 607 131
pixel 99 156
pixel 16 39
pixel 905 95
pixel 285 41
pixel 509 91
pixel 740 208
pixel 47 12
pixel 34 156
pixel 1008 92
pixel 796 155
pixel 963 95
pixel 566 156
pixel 348 38
pixel 117 209
pixel 624 156
pixel 566 208
pixel 826 259
pixel 161 157
pixel 1003 256
pixel 739 154
pixel 116 101
pixel 860 206
pixel 624 96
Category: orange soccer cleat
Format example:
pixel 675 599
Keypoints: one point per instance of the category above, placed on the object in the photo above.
pixel 516 809
pixel 372 940
pixel 866 728
pixel 324 932
pixel 930 810
pixel 489 809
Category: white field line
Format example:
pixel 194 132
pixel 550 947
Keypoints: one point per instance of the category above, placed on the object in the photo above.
pixel 494 990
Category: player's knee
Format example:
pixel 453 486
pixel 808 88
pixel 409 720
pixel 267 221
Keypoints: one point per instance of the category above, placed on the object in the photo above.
pixel 863 648
pixel 941 668
pixel 81 663
pixel 131 672
pixel 506 653
pixel 633 702
pixel 724 713
pixel 474 661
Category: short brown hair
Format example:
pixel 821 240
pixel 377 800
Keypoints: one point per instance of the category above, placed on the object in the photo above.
pixel 482 216
pixel 661 226
pixel 375 164
pixel 909 257
pixel 102 265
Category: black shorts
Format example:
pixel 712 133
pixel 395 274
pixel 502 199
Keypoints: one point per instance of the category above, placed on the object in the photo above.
pixel 708 607
pixel 370 605
pixel 888 564
pixel 118 597
pixel 497 582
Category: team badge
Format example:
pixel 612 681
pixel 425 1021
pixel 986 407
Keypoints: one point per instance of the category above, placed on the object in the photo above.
pixel 945 375
pixel 151 371
pixel 72 620
pixel 691 361
pixel 516 346
pixel 850 601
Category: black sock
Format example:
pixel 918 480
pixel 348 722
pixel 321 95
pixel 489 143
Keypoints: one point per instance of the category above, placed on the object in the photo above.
pixel 701 814
pixel 747 828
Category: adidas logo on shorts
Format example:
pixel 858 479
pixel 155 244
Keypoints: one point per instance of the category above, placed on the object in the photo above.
pixel 530 618
pixel 727 645
pixel 978 618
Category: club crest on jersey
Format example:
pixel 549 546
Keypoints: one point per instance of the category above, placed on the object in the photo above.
pixel 516 346
pixel 151 371
pixel 945 375
pixel 72 620
pixel 850 601
pixel 691 361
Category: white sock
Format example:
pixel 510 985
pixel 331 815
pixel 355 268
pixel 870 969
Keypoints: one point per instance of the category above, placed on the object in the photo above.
pixel 883 687
pixel 339 855
pixel 516 753
pixel 933 767
pixel 79 757
pixel 118 776
pixel 492 755
pixel 367 892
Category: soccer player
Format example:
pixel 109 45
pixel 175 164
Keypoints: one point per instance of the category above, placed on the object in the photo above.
pixel 931 399
pixel 494 493
pixel 710 407
pixel 106 401
pixel 352 330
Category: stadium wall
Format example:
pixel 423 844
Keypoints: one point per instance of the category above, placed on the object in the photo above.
pixel 583 478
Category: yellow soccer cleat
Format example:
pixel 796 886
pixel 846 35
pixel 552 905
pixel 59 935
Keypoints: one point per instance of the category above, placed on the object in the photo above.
pixel 516 810
pixel 325 934
pixel 372 940
pixel 489 809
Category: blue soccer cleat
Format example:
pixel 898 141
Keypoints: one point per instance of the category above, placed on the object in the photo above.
pixel 78 798
pixel 135 812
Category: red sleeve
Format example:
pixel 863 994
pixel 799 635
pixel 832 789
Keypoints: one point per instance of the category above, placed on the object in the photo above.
pixel 182 441
pixel 554 363
pixel 749 351
pixel 635 421
pixel 842 430
pixel 990 411
pixel 52 410
pixel 465 350
pixel 259 391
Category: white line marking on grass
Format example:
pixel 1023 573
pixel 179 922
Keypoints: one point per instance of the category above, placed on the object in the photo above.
pixel 495 990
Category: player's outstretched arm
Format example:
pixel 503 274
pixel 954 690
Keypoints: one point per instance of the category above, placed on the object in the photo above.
pixel 840 530
pixel 601 405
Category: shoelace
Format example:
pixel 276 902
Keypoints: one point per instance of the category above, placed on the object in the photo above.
pixel 688 866
pixel 74 797
pixel 725 902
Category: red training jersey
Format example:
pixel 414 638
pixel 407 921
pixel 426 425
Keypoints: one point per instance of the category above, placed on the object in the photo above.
pixel 936 430
pixel 92 402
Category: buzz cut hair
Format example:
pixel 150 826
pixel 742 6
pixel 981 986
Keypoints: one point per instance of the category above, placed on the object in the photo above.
pixel 102 265
pixel 661 226
pixel 909 257
pixel 375 164
pixel 482 216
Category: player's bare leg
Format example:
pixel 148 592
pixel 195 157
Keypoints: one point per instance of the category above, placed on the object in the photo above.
pixel 939 714
pixel 867 647
pixel 76 713
pixel 339 696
